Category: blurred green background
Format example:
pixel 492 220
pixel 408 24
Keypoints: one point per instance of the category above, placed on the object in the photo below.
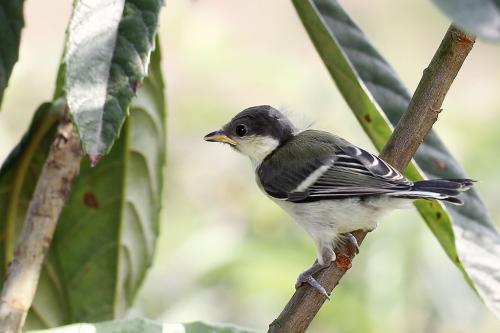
pixel 228 254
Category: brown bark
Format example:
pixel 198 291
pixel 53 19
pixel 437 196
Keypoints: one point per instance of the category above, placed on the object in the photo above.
pixel 415 123
pixel 53 187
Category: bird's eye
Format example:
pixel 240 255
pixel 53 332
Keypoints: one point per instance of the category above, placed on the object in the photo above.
pixel 241 130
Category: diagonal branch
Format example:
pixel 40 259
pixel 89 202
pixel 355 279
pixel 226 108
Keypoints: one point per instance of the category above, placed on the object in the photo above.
pixel 415 123
pixel 52 189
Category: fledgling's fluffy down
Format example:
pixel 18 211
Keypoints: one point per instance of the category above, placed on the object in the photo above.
pixel 328 185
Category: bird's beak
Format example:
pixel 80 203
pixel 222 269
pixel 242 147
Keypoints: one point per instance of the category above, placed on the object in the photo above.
pixel 219 136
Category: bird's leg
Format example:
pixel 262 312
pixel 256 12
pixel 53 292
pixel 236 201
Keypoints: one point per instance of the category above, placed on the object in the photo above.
pixel 327 256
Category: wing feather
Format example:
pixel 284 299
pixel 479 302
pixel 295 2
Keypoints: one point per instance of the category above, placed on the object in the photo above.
pixel 331 168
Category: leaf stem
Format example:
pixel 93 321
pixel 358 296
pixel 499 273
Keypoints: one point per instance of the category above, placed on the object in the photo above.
pixel 411 130
pixel 52 189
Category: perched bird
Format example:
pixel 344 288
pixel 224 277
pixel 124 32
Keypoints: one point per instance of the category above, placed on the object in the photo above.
pixel 328 185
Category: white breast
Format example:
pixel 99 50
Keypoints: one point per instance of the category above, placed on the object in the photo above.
pixel 325 220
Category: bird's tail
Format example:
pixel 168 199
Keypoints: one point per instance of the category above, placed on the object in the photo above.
pixel 440 189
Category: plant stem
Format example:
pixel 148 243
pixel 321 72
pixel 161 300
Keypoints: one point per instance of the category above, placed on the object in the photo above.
pixel 425 105
pixel 52 189
pixel 415 123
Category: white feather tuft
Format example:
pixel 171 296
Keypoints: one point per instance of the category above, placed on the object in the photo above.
pixel 301 121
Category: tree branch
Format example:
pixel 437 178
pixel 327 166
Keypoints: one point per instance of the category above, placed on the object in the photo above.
pixel 411 130
pixel 52 189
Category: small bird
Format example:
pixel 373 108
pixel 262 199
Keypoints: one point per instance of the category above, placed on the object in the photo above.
pixel 329 186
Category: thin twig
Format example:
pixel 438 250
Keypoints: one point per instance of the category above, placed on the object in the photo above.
pixel 51 192
pixel 411 130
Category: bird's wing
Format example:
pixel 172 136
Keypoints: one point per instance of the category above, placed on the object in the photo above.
pixel 316 165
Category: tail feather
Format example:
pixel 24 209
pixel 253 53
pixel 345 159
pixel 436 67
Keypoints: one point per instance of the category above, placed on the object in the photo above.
pixel 442 184
pixel 440 189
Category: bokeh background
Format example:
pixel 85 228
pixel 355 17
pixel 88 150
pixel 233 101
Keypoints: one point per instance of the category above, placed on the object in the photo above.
pixel 228 254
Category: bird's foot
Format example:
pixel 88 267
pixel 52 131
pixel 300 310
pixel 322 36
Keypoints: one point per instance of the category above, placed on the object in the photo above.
pixel 316 285
pixel 352 243
pixel 306 277
pixel 344 257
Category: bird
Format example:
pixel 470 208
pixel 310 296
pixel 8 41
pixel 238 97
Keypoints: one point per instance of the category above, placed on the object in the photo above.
pixel 329 186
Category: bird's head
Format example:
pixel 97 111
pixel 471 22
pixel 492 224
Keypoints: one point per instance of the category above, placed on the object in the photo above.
pixel 255 132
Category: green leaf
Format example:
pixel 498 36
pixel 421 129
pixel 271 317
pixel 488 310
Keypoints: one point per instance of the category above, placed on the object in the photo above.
pixel 107 56
pixel 107 232
pixel 200 327
pixel 146 326
pixel 11 23
pixel 478 17
pixel 377 97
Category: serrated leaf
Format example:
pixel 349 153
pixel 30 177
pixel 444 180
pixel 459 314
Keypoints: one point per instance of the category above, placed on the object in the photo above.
pixel 107 56
pixel 146 326
pixel 374 93
pixel 11 23
pixel 478 17
pixel 107 232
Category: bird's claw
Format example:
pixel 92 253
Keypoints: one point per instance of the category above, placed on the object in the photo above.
pixel 309 279
pixel 352 243
pixel 316 285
